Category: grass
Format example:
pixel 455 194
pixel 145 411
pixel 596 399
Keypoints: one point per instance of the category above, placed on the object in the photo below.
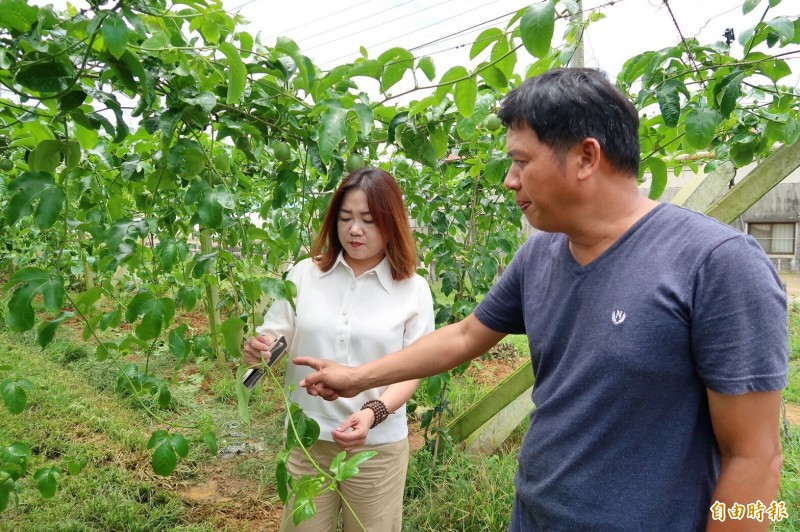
pixel 74 410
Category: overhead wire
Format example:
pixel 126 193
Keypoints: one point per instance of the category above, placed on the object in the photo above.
pixel 323 17
pixel 382 24
pixel 340 26
pixel 448 19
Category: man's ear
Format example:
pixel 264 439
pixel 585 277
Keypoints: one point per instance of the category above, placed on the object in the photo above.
pixel 587 154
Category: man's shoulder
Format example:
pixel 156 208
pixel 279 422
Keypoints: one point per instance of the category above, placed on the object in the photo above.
pixel 677 217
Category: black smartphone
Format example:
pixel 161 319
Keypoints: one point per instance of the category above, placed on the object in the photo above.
pixel 276 351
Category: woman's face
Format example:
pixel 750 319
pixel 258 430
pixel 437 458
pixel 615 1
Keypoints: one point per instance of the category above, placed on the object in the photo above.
pixel 364 246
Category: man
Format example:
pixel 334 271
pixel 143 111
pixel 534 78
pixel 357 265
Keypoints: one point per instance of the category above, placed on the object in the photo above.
pixel 658 336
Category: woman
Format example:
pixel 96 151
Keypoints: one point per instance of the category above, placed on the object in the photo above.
pixel 358 298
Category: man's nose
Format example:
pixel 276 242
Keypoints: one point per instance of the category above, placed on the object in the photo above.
pixel 511 180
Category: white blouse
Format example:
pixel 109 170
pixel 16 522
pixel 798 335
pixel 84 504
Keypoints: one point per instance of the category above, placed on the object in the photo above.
pixel 352 321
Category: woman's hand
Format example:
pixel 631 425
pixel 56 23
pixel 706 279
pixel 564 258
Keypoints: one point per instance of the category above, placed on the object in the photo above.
pixel 255 347
pixel 359 422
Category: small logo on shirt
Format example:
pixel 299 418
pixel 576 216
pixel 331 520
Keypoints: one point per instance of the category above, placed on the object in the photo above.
pixel 617 317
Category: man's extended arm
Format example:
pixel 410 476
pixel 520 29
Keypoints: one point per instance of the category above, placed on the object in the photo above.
pixel 434 353
pixel 747 432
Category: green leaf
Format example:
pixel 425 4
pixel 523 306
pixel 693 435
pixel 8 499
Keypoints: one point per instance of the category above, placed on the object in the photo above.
pixel 47 329
pixel 728 91
pixel 749 5
pixel 210 210
pixel 163 398
pixel 504 57
pixel 164 460
pixel 701 123
pixel 179 443
pixel 365 117
pixel 3 492
pixel 14 394
pixel 115 34
pixel 669 101
pixel 76 465
pixel 426 65
pixel 17 15
pixel 658 173
pixel 15 459
pixel 211 441
pixel 47 480
pixel 159 437
pixel 282 477
pixel 29 282
pixel 303 507
pixel 332 130
pixel 784 26
pixel 46 157
pixel 32 187
pixel 350 468
pixel 484 40
pixel 232 335
pixel 447 80
pixel 177 341
pixel 371 68
pixel 336 464
pixel 152 312
pixel 493 76
pixel 439 142
pixel 396 61
pixel 465 93
pixel 168 251
pixel 237 73
pixel 792 131
pixel 742 154
pixel 536 27
pixel 46 77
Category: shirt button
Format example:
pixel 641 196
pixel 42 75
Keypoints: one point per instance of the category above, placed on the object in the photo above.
pixel 352 287
pixel 341 338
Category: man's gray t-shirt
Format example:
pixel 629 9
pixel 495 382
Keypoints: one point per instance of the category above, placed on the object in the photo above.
pixel 623 350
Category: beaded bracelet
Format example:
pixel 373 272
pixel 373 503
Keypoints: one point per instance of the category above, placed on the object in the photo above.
pixel 381 412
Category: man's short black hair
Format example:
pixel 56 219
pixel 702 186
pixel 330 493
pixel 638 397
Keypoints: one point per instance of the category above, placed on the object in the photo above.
pixel 567 105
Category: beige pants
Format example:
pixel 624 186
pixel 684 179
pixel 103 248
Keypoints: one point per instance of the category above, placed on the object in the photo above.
pixel 375 494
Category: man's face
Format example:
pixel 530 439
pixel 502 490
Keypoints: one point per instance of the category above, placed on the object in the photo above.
pixel 538 178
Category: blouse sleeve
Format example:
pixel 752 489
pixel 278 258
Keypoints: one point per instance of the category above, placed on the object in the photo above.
pixel 279 319
pixel 421 321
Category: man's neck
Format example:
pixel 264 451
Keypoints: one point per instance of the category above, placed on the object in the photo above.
pixel 605 222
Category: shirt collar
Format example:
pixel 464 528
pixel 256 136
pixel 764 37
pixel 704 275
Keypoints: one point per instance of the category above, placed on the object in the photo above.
pixel 383 270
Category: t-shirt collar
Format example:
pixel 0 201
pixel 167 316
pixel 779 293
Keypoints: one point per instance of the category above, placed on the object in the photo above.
pixel 383 270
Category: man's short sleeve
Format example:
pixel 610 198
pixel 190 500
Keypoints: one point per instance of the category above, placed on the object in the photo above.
pixel 739 320
pixel 501 310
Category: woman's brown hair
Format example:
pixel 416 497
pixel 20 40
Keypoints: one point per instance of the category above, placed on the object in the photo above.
pixel 385 202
